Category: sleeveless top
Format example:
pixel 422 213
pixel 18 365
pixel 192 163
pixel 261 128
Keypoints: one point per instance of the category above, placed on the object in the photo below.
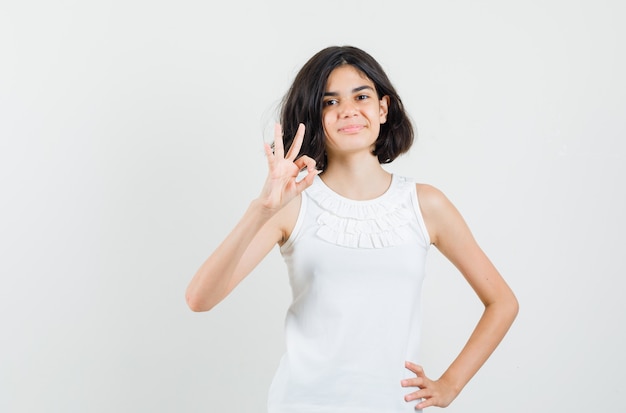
pixel 356 271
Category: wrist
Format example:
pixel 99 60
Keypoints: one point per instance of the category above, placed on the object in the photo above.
pixel 261 209
pixel 454 386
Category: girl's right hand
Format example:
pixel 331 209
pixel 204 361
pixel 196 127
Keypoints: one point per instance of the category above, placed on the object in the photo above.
pixel 281 185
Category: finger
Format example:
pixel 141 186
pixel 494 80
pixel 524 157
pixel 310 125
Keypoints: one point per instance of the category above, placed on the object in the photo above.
pixel 421 396
pixel 418 370
pixel 425 403
pixel 414 382
pixel 305 182
pixel 423 393
pixel 296 145
pixel 305 161
pixel 279 150
pixel 268 151
pixel 311 173
pixel 415 396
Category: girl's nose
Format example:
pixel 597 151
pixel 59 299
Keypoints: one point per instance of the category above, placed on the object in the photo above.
pixel 347 108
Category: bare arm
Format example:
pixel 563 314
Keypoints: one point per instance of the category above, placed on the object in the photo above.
pixel 451 235
pixel 260 228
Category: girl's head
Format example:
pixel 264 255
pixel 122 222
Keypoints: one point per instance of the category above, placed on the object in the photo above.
pixel 303 103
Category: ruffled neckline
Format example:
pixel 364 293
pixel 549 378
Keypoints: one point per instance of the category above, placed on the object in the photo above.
pixel 381 222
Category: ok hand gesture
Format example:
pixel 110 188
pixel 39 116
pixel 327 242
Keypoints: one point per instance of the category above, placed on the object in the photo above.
pixel 281 185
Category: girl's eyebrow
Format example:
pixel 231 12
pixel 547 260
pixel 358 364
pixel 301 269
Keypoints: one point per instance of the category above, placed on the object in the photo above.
pixel 355 90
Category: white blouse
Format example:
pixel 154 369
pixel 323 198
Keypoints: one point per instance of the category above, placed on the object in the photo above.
pixel 356 270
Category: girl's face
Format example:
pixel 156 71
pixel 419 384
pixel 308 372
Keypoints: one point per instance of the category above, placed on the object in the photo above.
pixel 352 112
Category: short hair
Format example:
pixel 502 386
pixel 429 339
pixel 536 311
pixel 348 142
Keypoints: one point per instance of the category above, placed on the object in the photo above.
pixel 303 103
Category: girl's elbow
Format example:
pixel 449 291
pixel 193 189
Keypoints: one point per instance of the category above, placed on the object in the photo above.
pixel 511 307
pixel 506 305
pixel 196 304
pixel 514 306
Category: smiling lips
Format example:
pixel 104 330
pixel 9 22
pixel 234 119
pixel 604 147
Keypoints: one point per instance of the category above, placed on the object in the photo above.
pixel 351 128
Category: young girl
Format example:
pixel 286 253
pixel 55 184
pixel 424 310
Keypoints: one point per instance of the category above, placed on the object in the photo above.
pixel 355 239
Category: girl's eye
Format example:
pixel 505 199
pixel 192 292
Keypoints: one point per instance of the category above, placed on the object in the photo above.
pixel 330 102
pixel 362 97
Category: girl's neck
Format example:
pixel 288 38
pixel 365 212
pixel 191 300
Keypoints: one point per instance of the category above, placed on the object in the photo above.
pixel 357 180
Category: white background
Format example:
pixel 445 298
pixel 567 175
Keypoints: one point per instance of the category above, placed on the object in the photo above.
pixel 131 142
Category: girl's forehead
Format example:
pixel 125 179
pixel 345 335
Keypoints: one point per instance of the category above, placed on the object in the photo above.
pixel 347 73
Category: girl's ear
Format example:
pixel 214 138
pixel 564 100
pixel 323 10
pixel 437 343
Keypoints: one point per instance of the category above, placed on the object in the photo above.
pixel 384 107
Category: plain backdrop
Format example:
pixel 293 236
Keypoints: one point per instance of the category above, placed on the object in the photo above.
pixel 131 143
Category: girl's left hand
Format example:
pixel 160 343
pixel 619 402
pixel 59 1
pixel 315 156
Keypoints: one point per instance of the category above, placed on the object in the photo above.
pixel 431 392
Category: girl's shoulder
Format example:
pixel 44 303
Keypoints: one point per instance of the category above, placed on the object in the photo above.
pixel 436 208
pixel 431 198
pixel 428 193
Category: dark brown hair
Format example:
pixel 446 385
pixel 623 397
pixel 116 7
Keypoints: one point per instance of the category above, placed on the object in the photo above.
pixel 303 104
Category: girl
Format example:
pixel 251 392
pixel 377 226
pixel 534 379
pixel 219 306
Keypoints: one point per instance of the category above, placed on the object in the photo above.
pixel 355 239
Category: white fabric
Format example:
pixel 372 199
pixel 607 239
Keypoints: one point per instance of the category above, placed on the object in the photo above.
pixel 356 271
